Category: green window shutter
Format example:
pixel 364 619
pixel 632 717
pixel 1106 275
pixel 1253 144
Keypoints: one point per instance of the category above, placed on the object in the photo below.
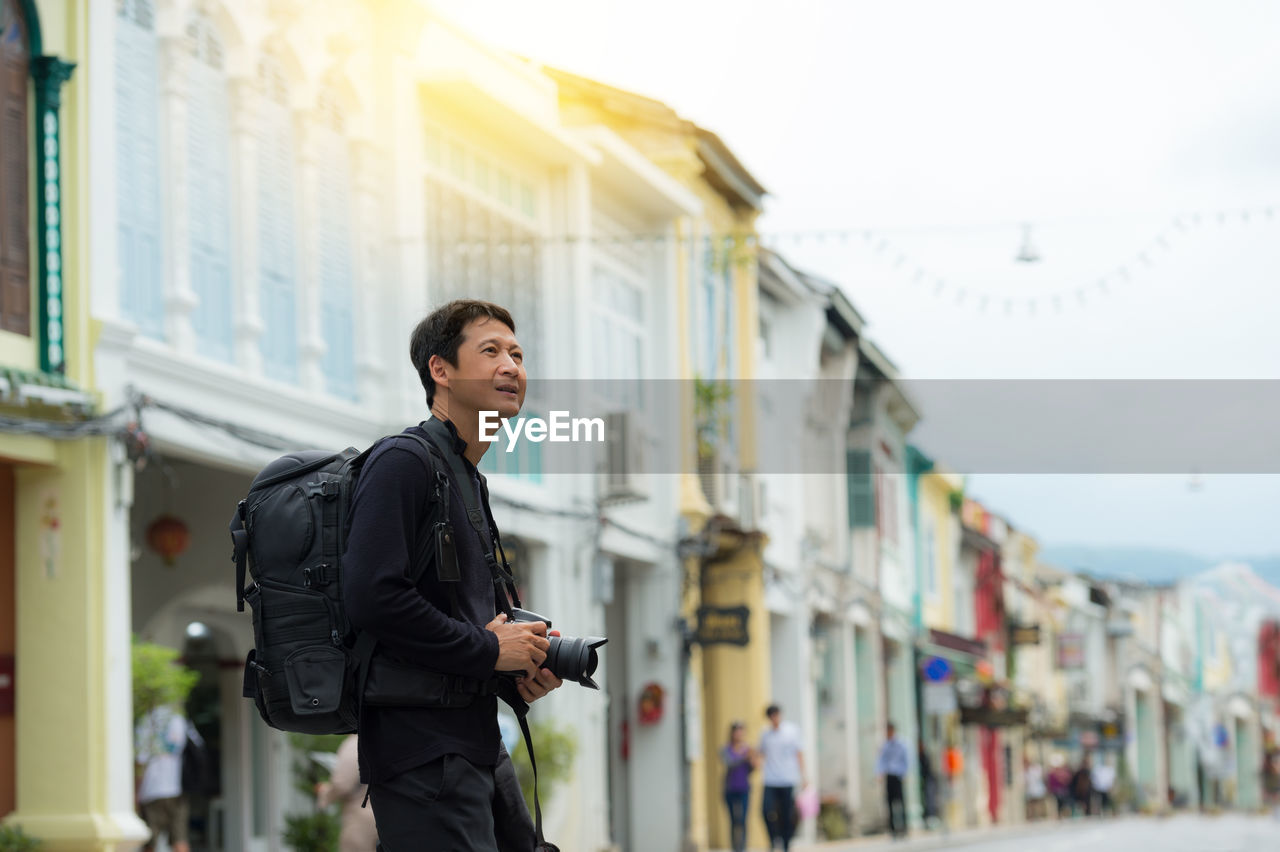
pixel 862 501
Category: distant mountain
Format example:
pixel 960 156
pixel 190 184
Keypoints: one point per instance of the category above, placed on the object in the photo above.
pixel 1148 564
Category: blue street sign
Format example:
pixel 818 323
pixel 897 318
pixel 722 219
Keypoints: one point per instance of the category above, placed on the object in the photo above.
pixel 937 669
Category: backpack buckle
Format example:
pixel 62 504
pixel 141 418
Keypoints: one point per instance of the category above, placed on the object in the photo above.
pixel 328 489
pixel 315 576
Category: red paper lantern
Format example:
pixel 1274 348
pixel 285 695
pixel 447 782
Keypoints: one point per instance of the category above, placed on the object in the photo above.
pixel 169 537
pixel 651 701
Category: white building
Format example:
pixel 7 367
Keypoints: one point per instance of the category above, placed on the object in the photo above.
pixel 807 352
pixel 284 194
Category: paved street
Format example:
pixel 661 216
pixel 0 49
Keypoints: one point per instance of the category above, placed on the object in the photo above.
pixel 1188 833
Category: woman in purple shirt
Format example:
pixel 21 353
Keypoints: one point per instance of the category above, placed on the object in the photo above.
pixel 739 759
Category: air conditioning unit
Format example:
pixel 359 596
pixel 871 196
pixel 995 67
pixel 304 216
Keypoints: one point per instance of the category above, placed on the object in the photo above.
pixel 750 502
pixel 623 459
pixel 721 484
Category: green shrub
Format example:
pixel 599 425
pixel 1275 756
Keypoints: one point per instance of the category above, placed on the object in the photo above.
pixel 14 839
pixel 833 822
pixel 314 832
pixel 555 748
pixel 158 678
pixel 306 772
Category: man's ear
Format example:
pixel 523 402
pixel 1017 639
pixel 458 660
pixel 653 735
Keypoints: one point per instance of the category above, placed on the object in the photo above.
pixel 437 367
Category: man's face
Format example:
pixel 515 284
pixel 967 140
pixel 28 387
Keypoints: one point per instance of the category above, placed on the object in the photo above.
pixel 890 730
pixel 490 374
pixel 775 718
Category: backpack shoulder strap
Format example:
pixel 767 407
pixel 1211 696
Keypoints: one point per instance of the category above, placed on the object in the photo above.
pixel 504 584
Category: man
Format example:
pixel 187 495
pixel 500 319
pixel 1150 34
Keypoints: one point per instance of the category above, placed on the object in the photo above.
pixel 1082 787
pixel 892 765
pixel 1104 780
pixel 431 770
pixel 783 772
pixel 160 738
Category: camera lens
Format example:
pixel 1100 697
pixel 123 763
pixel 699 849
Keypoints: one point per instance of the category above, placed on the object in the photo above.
pixel 574 659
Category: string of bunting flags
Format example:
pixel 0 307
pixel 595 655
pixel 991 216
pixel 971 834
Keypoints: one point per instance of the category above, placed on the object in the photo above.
pixel 1121 274
pixel 739 248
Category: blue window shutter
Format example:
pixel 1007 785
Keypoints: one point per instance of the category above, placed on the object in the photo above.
pixel 138 170
pixel 336 284
pixel 709 311
pixel 862 498
pixel 209 175
pixel 276 225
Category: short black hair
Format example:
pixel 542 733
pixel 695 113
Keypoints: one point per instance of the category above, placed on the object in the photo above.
pixel 441 333
pixel 771 709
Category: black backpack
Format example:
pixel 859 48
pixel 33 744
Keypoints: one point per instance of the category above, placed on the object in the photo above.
pixel 198 777
pixel 289 532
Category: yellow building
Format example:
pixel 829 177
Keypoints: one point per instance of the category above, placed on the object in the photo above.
pixel 940 539
pixel 65 755
pixel 716 294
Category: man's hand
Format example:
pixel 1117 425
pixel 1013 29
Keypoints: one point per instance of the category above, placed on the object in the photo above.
pixel 522 647
pixel 531 689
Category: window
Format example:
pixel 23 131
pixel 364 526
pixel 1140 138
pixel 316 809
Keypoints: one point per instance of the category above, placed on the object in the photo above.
pixel 336 297
pixel 931 567
pixel 618 336
pixel 480 247
pixel 478 251
pixel 15 254
pixel 524 461
pixel 710 369
pixel 862 508
pixel 209 181
pixel 276 253
pixel 887 507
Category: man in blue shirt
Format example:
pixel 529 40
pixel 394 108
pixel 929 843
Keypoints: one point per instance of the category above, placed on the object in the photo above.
pixel 892 764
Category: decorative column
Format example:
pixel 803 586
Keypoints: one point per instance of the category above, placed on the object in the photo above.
pixel 370 299
pixel 50 73
pixel 311 343
pixel 246 98
pixel 179 299
pixel 73 657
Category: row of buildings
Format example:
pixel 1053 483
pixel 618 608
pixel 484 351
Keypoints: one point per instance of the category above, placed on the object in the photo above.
pixel 221 219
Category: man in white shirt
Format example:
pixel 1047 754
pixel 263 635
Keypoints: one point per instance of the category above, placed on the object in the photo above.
pixel 783 772
pixel 160 739
pixel 1104 779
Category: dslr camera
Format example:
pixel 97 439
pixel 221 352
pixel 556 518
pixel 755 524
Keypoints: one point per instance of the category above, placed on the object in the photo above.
pixel 568 658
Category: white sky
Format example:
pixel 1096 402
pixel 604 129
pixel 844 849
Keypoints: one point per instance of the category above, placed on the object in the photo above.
pixel 940 126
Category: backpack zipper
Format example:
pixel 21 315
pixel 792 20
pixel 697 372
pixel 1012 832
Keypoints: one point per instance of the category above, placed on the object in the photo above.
pixel 294 472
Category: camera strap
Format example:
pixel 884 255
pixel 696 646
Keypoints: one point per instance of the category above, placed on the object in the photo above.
pixel 503 581
pixel 504 584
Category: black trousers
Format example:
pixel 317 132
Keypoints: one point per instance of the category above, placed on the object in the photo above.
pixel 779 806
pixel 449 805
pixel 897 807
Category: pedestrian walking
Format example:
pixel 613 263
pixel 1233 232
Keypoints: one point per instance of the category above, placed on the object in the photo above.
pixel 1036 790
pixel 739 760
pixel 892 765
pixel 359 830
pixel 1082 787
pixel 438 774
pixel 783 760
pixel 1059 784
pixel 159 741
pixel 928 784
pixel 1271 779
pixel 1103 780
